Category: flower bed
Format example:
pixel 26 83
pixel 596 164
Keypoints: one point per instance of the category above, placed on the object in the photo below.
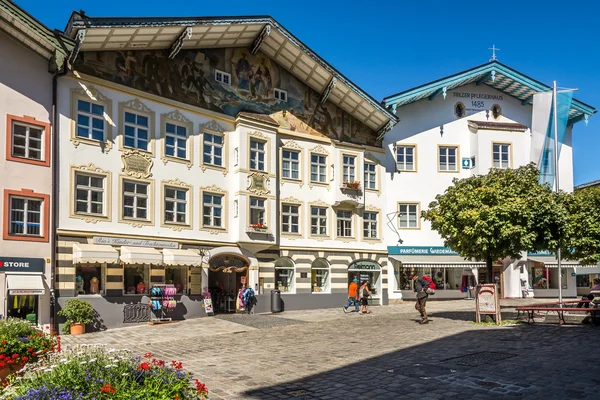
pixel 92 372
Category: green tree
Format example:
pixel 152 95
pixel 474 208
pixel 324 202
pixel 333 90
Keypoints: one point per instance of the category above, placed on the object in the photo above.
pixel 498 215
pixel 582 236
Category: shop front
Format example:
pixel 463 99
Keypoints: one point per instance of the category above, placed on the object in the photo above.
pixel 23 287
pixel 543 275
pixel 584 278
pixel 370 271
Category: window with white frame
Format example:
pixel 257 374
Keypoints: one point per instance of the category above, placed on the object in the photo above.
pixel 348 168
pixel 257 211
pixel 280 94
pixel 284 275
pixel 222 77
pixel 27 141
pixel 318 221
pixel 290 217
pixel 176 205
pixel 370 225
pixel 370 176
pixel 213 149
pixel 501 155
pixel 90 120
pixel 320 275
pixel 447 158
pixel 290 164
pixel 344 223
pixel 25 216
pixel 176 140
pixel 89 194
pixel 257 155
pixel 137 131
pixel 212 210
pixel 408 215
pixel 318 168
pixel 405 158
pixel 135 200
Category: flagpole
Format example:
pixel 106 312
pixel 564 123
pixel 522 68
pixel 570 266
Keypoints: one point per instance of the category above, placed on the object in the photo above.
pixel 556 187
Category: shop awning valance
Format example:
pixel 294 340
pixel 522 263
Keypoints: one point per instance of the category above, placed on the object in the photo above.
pixel 245 254
pixel 94 253
pixel 181 258
pixel 563 264
pixel 141 255
pixel 441 261
pixel 542 259
pixel 25 284
pixel 587 270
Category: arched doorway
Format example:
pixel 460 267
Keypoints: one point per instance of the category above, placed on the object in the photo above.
pixel 227 273
pixel 367 270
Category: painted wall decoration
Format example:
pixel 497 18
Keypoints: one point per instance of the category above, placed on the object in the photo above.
pixel 190 78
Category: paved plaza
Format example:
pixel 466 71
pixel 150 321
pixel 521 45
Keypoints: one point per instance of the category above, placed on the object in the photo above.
pixel 326 354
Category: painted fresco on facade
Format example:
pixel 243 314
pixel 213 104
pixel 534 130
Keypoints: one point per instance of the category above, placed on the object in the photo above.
pixel 190 78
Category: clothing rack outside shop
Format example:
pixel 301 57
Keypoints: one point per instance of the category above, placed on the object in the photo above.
pixel 162 298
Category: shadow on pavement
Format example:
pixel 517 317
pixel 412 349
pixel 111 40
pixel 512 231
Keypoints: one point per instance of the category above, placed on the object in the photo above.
pixel 468 316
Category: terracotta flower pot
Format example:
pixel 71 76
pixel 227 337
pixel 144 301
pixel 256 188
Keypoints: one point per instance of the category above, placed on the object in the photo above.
pixel 9 370
pixel 77 329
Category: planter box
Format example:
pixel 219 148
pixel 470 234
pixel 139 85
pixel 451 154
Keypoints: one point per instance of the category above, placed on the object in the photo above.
pixel 258 230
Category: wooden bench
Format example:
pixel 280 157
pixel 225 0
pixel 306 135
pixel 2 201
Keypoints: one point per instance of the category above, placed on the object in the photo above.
pixel 560 309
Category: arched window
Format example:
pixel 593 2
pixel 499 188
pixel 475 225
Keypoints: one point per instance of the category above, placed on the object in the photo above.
pixel 496 111
pixel 459 110
pixel 320 275
pixel 284 275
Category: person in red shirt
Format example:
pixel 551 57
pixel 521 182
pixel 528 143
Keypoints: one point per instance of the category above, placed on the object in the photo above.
pixel 352 296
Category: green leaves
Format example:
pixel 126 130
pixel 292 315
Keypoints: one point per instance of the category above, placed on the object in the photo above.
pixel 582 230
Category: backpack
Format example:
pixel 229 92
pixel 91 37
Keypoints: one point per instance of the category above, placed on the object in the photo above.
pixel 432 287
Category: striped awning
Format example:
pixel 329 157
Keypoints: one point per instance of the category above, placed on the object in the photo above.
pixel 94 253
pixel 141 255
pixel 441 261
pixel 181 258
pixel 587 270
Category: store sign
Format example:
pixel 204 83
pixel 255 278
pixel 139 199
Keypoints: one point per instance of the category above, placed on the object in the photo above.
pixel 135 242
pixel 466 163
pixel 543 253
pixel 20 292
pixel 364 266
pixel 421 251
pixel 15 264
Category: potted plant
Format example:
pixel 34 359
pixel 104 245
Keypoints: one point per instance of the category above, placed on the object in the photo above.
pixel 78 314
pixel 259 227
pixel 352 185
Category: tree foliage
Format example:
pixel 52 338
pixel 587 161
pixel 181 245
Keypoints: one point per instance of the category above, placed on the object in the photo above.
pixel 498 215
pixel 582 236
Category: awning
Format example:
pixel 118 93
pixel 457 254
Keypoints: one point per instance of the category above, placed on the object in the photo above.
pixel 182 258
pixel 587 270
pixel 141 255
pixel 23 284
pixel 94 253
pixel 441 261
pixel 252 260
pixel 542 259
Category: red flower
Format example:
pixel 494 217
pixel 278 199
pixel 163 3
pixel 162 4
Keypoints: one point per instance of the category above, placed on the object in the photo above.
pixel 2 364
pixel 30 349
pixel 24 358
pixel 148 355
pixel 158 363
pixel 144 366
pixel 107 389
pixel 3 341
pixel 15 356
pixel 176 398
pixel 201 387
pixel 176 364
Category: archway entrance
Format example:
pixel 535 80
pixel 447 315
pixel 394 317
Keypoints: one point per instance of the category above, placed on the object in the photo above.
pixel 367 270
pixel 227 274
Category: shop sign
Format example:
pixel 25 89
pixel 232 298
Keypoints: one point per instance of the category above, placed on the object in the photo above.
pixel 487 302
pixel 15 264
pixel 35 292
pixel 364 266
pixel 466 163
pixel 421 251
pixel 113 241
pixel 543 253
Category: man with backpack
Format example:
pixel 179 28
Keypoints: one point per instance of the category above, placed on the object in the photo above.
pixel 423 287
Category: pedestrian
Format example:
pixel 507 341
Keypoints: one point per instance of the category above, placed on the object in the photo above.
pixel 420 287
pixel 352 295
pixel 364 297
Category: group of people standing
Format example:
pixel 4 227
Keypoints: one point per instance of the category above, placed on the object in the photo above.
pixel 358 295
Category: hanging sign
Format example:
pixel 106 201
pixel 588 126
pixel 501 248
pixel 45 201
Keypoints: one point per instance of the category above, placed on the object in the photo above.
pixel 487 302
pixel 466 163
pixel 208 307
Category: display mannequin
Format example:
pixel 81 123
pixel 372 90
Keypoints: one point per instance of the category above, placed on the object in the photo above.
pixel 141 288
pixel 94 283
pixel 79 285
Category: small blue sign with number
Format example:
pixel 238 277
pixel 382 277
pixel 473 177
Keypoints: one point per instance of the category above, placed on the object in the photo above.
pixel 466 163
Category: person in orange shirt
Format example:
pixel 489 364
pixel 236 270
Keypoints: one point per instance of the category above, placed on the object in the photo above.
pixel 352 295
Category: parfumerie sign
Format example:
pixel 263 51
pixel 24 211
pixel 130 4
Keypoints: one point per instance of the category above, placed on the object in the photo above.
pixel 135 242
pixel 14 264
pixel 421 250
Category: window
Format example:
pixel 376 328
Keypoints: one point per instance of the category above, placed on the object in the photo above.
pixel 25 216
pixel 89 279
pixel 137 133
pixel 290 216
pixel 501 154
pixel 408 215
pixel 27 141
pixel 544 277
pixel 344 223
pixel 370 176
pixel 496 111
pixel 257 211
pixel 290 164
pixel 89 194
pixel 212 210
pixel 320 276
pixel 90 120
pixel 444 278
pixel 370 225
pixel 447 160
pixel 318 221
pixel 175 205
pixel 459 110
pixel 280 94
pixel 472 162
pixel 175 140
pixel 177 277
pixel 257 155
pixel 222 77
pixel 136 279
pixel 284 275
pixel 318 168
pixel 405 158
pixel 348 168
pixel 135 200
pixel 213 149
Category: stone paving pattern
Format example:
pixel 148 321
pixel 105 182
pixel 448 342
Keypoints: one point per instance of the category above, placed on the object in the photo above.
pixel 383 355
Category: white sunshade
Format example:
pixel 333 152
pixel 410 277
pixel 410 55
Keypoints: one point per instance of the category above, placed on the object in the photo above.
pixel 428 261
pixel 94 253
pixel 183 258
pixel 22 284
pixel 587 270
pixel 141 255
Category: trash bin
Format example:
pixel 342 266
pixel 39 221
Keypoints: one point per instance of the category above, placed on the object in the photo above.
pixel 275 301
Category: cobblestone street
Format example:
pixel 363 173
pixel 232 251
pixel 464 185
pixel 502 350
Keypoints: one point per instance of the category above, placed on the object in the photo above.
pixel 326 354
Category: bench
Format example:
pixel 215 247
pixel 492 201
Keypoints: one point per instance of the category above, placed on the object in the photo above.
pixel 560 309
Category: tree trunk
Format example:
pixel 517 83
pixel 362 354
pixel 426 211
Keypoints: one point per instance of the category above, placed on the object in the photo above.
pixel 490 270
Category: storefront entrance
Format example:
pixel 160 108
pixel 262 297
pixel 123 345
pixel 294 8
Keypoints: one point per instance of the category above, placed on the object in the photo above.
pixel 366 270
pixel 227 274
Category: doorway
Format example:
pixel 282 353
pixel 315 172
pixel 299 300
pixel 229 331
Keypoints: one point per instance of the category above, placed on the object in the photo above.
pixel 227 274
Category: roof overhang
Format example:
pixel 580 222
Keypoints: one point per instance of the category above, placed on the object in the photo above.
pixel 497 126
pixel 495 75
pixel 255 32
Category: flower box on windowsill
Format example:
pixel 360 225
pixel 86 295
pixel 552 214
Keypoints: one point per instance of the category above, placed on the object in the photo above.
pixel 354 185
pixel 258 228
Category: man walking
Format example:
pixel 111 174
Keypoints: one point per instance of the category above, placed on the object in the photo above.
pixel 352 295
pixel 420 286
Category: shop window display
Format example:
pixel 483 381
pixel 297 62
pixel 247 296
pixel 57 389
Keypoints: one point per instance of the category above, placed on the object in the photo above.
pixel 136 279
pixel 24 307
pixel 320 276
pixel 284 275
pixel 583 281
pixel 546 278
pixel 444 278
pixel 178 278
pixel 88 279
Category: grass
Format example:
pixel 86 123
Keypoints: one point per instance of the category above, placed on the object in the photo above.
pixel 504 322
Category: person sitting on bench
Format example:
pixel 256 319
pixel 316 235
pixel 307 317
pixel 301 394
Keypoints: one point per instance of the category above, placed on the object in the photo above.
pixel 589 296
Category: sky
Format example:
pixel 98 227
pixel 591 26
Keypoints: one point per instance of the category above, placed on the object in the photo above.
pixel 388 46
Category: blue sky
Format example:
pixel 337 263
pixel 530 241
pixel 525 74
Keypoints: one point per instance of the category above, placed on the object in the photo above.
pixel 386 47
